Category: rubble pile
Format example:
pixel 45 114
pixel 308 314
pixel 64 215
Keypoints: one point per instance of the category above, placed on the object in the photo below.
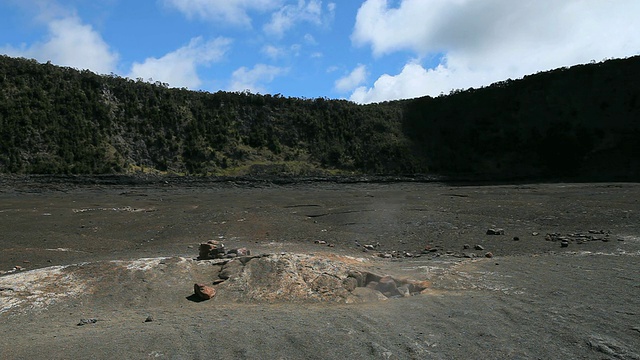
pixel 578 238
pixel 214 249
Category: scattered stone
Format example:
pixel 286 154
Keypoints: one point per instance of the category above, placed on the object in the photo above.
pixel 515 238
pixel 408 254
pixel 564 243
pixel 321 242
pixel 469 255
pixel 87 321
pixel 495 231
pixel 330 245
pixel 369 247
pixel 204 292
pixel 535 233
pixel 466 246
pixel 552 237
pixel 479 247
pixel 149 319
pixel 488 255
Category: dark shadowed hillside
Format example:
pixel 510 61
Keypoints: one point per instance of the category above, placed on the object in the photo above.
pixel 582 121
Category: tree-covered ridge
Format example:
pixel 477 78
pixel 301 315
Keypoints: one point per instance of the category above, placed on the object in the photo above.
pixel 60 120
pixel 567 122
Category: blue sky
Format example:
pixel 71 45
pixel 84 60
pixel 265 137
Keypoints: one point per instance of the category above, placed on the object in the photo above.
pixel 362 50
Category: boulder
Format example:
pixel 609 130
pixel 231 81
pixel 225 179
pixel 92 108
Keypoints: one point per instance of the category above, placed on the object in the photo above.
pixel 387 286
pixel 204 292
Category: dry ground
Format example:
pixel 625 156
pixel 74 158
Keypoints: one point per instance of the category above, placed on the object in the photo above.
pixel 533 299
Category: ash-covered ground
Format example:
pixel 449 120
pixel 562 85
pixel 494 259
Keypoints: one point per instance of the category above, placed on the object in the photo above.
pixel 560 280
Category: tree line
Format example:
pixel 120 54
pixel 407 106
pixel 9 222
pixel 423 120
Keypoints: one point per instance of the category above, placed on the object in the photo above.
pixel 566 122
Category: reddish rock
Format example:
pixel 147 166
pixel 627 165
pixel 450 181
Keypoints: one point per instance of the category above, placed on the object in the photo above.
pixel 212 249
pixel 204 292
pixel 489 254
pixel 204 251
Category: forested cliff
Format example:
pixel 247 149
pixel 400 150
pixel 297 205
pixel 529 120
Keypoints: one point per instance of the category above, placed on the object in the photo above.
pixel 580 121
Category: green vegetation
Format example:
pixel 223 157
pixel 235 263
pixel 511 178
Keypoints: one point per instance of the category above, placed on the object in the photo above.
pixel 568 122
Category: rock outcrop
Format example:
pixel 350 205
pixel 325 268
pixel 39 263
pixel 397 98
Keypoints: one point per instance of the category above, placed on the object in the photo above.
pixel 298 277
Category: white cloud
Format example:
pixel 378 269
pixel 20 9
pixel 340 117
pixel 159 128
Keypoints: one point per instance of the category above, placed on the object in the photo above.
pixel 352 80
pixel 483 41
pixel 413 81
pixel 280 52
pixel 179 68
pixel 309 39
pixel 285 18
pixel 332 68
pixel 70 43
pixel 234 12
pixel 254 79
pixel 274 52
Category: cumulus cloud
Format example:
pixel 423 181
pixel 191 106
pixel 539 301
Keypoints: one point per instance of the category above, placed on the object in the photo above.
pixel 70 43
pixel 254 80
pixel 483 41
pixel 289 15
pixel 292 14
pixel 234 12
pixel 180 68
pixel 280 52
pixel 352 80
pixel 274 52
